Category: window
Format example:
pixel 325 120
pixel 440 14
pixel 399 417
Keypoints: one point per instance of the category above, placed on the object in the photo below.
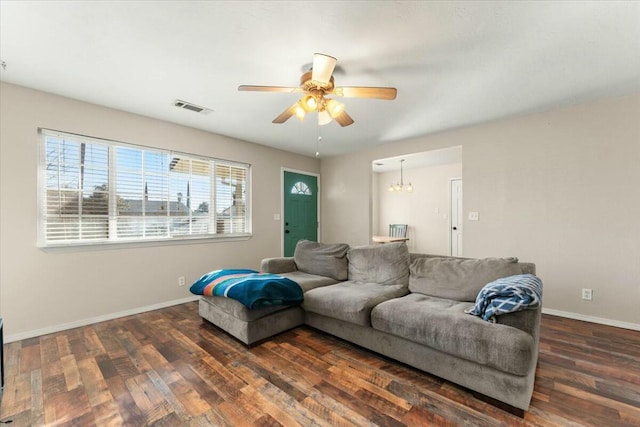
pixel 301 188
pixel 99 191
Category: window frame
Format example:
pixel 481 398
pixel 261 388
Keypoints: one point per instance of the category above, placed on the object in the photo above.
pixel 112 239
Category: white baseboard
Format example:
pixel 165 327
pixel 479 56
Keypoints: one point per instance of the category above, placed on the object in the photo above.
pixel 92 320
pixel 592 319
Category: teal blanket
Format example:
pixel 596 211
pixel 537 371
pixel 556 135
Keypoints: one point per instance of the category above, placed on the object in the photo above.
pixel 252 289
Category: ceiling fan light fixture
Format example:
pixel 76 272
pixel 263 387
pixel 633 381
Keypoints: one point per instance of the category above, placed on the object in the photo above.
pixel 335 108
pixel 299 112
pixel 309 103
pixel 324 118
pixel 315 85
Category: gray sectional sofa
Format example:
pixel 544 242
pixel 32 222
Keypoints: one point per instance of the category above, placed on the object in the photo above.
pixel 410 307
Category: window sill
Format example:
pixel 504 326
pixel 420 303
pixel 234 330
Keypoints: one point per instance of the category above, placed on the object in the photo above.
pixel 124 244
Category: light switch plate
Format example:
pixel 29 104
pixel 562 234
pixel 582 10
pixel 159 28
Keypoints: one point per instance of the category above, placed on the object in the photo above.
pixel 276 217
pixel 474 216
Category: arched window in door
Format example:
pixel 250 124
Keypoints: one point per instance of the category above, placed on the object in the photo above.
pixel 301 188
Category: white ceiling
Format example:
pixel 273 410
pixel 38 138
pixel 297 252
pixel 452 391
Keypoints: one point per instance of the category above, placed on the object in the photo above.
pixel 454 63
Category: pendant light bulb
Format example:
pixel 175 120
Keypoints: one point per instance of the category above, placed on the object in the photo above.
pixel 335 108
pixel 299 111
pixel 309 103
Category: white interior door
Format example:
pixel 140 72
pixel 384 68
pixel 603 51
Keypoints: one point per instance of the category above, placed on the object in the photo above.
pixel 455 231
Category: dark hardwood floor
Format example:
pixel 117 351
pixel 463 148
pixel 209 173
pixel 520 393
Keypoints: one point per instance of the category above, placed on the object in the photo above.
pixel 169 368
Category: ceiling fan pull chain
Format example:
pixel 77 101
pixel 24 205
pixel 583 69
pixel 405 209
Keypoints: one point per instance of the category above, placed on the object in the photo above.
pixel 318 143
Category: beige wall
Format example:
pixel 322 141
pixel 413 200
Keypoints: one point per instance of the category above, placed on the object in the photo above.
pixel 558 188
pixel 40 290
pixel 425 210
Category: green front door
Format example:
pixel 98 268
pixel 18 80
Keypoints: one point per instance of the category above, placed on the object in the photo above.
pixel 300 210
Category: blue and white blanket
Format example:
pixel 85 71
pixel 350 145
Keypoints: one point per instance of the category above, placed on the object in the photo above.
pixel 507 295
pixel 252 289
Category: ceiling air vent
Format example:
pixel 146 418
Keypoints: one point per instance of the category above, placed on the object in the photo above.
pixel 191 107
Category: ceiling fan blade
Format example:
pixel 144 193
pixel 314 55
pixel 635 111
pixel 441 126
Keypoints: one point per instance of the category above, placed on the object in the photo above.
pixel 323 66
pixel 243 88
pixel 387 93
pixel 344 119
pixel 286 114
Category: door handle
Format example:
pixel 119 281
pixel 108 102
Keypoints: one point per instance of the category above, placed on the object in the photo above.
pixel 455 228
pixel 286 231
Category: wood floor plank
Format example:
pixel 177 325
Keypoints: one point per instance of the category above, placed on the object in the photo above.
pixel 148 398
pixel 207 386
pixel 93 382
pixel 169 368
pixel 107 414
pixel 235 415
pixel 159 364
pixel 213 417
pixel 282 407
pixel 302 376
pixel 306 381
pixel 128 409
pixel 376 387
pixel 70 371
pixel 30 358
pixel 356 405
pixel 67 406
pixel 37 398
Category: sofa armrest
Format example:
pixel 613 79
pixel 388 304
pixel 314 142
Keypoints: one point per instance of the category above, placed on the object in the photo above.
pixel 525 320
pixel 278 265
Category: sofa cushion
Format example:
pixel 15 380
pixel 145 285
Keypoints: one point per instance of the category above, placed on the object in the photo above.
pixel 309 281
pixel 443 325
pixel 322 259
pixel 350 301
pixel 387 264
pixel 456 278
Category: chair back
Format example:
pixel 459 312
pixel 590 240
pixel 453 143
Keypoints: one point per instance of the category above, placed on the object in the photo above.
pixel 397 230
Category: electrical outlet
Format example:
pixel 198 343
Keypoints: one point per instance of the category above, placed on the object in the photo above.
pixel 587 294
pixel 474 216
pixel 181 281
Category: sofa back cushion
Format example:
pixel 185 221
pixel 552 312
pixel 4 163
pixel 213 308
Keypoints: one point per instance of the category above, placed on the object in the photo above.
pixel 387 264
pixel 458 279
pixel 322 259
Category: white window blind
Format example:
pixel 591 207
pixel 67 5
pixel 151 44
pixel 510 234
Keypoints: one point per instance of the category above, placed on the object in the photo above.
pixel 99 191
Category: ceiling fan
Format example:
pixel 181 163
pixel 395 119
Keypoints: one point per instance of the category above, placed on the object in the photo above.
pixel 316 84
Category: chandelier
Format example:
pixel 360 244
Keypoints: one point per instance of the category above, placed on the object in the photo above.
pixel 400 186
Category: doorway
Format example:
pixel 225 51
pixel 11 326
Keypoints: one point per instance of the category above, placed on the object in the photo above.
pixel 300 209
pixel 427 209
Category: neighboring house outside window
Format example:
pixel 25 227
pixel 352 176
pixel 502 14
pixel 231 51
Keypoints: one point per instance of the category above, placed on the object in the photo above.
pixel 95 191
